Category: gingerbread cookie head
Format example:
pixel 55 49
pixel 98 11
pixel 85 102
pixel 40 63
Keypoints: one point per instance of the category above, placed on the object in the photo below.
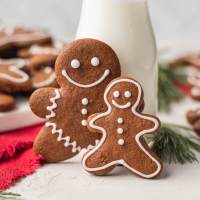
pixel 86 63
pixel 124 94
pixel 123 127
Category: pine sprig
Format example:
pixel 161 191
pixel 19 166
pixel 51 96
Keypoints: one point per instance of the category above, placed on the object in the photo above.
pixel 6 195
pixel 172 146
pixel 168 92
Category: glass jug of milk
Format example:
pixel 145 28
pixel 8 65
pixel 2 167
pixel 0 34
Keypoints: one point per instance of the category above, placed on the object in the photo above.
pixel 125 25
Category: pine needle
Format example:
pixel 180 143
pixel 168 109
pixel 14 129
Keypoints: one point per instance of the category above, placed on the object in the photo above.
pixel 6 195
pixel 168 92
pixel 172 147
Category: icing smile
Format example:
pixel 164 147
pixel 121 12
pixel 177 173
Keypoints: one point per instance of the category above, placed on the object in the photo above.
pixel 104 76
pixel 127 105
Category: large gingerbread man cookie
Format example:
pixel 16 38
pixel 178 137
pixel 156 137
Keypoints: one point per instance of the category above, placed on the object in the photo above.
pixel 123 128
pixel 83 70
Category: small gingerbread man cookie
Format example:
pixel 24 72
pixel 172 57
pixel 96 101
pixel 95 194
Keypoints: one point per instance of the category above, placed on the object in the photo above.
pixel 83 70
pixel 123 128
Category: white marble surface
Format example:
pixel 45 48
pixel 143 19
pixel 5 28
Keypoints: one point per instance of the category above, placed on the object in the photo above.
pixel 172 19
pixel 68 181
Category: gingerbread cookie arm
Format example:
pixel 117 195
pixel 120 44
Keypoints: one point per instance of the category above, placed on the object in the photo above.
pixel 97 122
pixel 152 123
pixel 42 100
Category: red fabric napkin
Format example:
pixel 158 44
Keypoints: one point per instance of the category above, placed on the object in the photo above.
pixel 17 158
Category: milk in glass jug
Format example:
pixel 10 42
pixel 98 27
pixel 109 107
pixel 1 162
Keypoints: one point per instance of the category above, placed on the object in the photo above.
pixel 125 25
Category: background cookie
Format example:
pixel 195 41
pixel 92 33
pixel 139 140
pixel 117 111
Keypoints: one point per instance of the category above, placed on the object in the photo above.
pixel 44 77
pixel 193 117
pixel 83 70
pixel 34 50
pixel 14 38
pixel 123 128
pixel 12 76
pixel 7 102
pixel 194 80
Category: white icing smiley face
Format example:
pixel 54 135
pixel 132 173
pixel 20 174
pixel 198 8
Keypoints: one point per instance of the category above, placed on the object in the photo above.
pixel 122 95
pixel 86 63
pixel 116 94
pixel 76 64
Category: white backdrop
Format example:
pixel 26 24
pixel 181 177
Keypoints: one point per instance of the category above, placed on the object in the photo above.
pixel 171 19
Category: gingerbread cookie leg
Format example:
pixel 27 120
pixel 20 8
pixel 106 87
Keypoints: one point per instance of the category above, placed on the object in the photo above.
pixel 97 163
pixel 51 149
pixel 147 166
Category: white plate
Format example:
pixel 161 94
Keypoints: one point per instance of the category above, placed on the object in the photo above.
pixel 18 118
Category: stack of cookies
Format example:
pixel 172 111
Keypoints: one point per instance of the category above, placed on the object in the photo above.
pixel 27 58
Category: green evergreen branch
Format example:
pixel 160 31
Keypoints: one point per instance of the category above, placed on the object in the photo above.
pixel 6 195
pixel 168 92
pixel 172 146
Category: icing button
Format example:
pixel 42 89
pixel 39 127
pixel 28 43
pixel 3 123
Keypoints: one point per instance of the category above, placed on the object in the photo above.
pixel 84 101
pixel 120 130
pixel 84 111
pixel 84 122
pixel 120 142
pixel 120 120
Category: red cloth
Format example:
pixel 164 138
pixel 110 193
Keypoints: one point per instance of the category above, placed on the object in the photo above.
pixel 17 158
pixel 185 88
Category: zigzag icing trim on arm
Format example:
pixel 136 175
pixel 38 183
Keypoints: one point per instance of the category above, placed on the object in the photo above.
pixel 55 130
pixel 54 104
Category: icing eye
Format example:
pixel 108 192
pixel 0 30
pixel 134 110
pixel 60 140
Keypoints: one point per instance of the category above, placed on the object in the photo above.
pixel 95 61
pixel 75 63
pixel 116 94
pixel 127 94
